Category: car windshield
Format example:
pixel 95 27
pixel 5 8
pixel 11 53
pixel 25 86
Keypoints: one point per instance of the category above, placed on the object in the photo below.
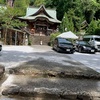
pixel 97 39
pixel 83 43
pixel 64 41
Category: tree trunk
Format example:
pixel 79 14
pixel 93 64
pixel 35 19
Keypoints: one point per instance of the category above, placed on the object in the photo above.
pixel 5 37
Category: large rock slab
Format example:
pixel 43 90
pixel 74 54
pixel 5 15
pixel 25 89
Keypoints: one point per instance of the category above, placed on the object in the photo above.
pixel 71 89
pixel 44 68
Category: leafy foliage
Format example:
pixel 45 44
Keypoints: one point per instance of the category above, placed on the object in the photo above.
pixel 81 10
pixel 2 1
pixel 53 36
pixel 20 6
pixel 67 23
pixel 7 20
pixel 90 7
pixel 77 11
pixel 94 27
pixel 39 2
pixel 7 16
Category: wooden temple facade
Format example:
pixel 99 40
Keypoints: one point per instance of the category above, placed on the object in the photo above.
pixel 41 22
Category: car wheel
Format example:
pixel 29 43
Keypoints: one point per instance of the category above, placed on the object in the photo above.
pixel 57 49
pixel 53 48
pixel 93 52
pixel 72 52
pixel 80 50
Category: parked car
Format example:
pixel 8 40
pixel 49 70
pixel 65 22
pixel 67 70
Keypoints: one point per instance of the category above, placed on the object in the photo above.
pixel 0 47
pixel 83 46
pixel 63 45
pixel 93 40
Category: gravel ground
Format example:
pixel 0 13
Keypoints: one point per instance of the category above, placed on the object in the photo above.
pixel 43 58
pixel 12 56
pixel 15 55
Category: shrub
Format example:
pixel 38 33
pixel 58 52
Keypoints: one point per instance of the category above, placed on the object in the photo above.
pixel 53 36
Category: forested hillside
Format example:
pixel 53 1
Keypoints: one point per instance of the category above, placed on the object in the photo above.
pixel 76 15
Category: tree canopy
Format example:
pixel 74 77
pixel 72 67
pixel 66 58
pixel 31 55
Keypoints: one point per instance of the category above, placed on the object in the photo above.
pixel 77 11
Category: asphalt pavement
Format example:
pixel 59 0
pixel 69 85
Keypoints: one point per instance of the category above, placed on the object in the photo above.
pixel 89 60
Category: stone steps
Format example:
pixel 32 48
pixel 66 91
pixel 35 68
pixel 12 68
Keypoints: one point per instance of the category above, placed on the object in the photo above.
pixel 47 80
pixel 71 89
pixel 36 40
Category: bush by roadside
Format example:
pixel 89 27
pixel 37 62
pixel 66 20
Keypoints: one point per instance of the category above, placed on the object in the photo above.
pixel 53 36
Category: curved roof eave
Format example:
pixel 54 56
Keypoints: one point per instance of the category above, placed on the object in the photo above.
pixel 39 16
pixel 50 13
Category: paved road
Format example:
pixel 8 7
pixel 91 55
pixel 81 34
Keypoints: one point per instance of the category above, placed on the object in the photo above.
pixel 15 55
pixel 90 60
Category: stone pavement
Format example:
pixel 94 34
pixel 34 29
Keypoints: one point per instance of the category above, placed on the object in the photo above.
pixel 47 74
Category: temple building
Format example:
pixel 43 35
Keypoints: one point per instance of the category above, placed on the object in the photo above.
pixel 41 23
pixel 41 20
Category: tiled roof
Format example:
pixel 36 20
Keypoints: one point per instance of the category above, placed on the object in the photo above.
pixel 50 12
pixel 31 11
pixel 39 16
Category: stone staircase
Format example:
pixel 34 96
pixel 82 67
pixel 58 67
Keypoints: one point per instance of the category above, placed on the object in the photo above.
pixel 38 40
pixel 43 80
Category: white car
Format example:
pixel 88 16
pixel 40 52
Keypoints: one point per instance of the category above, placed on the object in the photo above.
pixel 93 40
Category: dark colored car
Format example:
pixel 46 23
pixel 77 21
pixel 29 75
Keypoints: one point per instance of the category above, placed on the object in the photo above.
pixel 85 47
pixel 63 45
pixel 0 47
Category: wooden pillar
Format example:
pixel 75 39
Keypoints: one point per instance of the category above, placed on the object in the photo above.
pixel 15 37
pixel 10 37
pixel 24 38
pixel 5 36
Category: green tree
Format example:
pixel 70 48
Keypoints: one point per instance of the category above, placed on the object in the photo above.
pixel 2 1
pixel 92 27
pixel 67 23
pixel 7 19
pixel 89 9
pixel 21 5
pixel 39 2
pixel 77 10
pixel 64 24
pixel 53 36
pixel 31 2
pixel 48 3
pixel 73 9
pixel 97 30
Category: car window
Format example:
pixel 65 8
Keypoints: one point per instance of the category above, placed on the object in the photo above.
pixel 97 39
pixel 92 39
pixel 86 39
pixel 83 43
pixel 76 42
pixel 64 41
